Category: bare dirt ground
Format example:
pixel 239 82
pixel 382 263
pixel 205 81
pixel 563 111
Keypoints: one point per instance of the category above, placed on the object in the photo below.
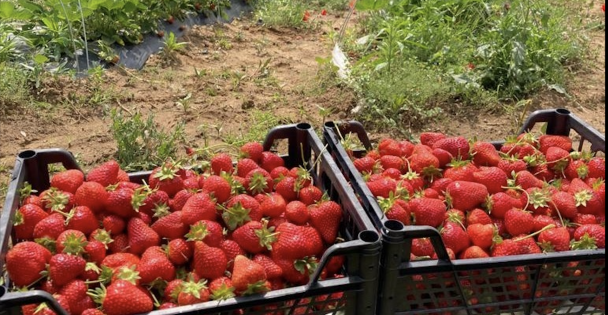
pixel 233 69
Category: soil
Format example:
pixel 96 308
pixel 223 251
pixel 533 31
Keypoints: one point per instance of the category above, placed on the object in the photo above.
pixel 234 80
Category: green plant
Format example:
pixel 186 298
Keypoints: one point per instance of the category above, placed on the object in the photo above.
pixel 141 144
pixel 171 47
pixel 280 13
pixel 257 128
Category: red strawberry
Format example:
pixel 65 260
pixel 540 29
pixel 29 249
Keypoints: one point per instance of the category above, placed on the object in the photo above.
pixel 118 260
pixel 217 187
pixel 424 163
pixel 481 235
pixel 466 195
pixel 25 261
pixel 193 292
pixel 458 146
pixel 248 277
pixel 258 181
pixel 422 247
pixel 557 159
pixel 443 156
pixel 397 209
pixel 105 174
pixel 119 202
pixel 231 249
pixel 254 237
pixel 382 187
pixel 244 166
pixel 251 150
pixel 554 239
pixel 512 165
pixel 114 224
pixel 68 180
pixel 70 242
pixel 273 271
pixel 429 138
pixel 209 262
pixel 589 236
pixel 221 289
pixel 49 227
pixel 485 154
pixel 389 146
pixel 587 201
pixel 92 195
pixel 207 231
pixel 199 207
pixel 564 204
pixel 270 161
pixel 310 194
pixel 180 199
pixel 64 268
pixel 492 177
pixel 499 203
pixel 527 180
pixel 274 205
pixel 178 251
pixel 172 289
pixel 83 219
pixel 454 237
pixel 365 164
pixel 151 199
pixel 297 212
pixel 241 209
pixel 478 216
pixel 518 222
pixel 221 162
pixel 547 141
pixel 427 211
pixel 597 167
pixel 170 226
pixel 326 217
pixel 296 242
pixel 75 293
pixel 124 298
pixel 278 173
pixel 391 161
pixel 95 251
pixel 286 187
pixel 166 178
pixel 576 169
pixel 25 220
pixel 119 244
pixel 155 264
pixel 141 236
pixel 474 252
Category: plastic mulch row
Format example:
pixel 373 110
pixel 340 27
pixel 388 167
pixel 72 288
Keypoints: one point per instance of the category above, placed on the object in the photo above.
pixel 570 282
pixel 361 246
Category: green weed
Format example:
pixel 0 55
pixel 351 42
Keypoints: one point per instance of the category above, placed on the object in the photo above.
pixel 260 122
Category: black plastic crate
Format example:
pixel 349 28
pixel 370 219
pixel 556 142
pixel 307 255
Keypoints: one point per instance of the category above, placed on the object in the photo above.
pixel 361 248
pixel 569 282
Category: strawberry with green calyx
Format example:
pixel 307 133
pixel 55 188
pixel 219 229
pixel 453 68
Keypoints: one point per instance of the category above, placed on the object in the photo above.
pixel 101 235
pixel 49 228
pixel 170 224
pixel 154 264
pixel 221 289
pixel 589 202
pixel 209 262
pixel 126 273
pixel 459 169
pixel 105 174
pixel 465 195
pixel 221 163
pixel 140 236
pixel 454 237
pixel 26 218
pixel 310 194
pixel 198 207
pixel 518 221
pixel 217 187
pixel 207 231
pixel 538 200
pixel 557 159
pixel 423 162
pixel 83 219
pixel 576 169
pixel 597 167
pixel 165 178
pixel 589 236
pixel 178 251
pixel 248 277
pixel 382 187
pixel 554 240
pixel 484 154
pixel 512 164
pixel 25 262
pixel 393 210
pixel 71 242
pixel 145 199
pixel 518 245
pixel 120 202
pixel 123 298
pixel 239 210
pixel 193 292
pixel 255 237
pixel 443 156
pixel 68 180
pixel 57 200
pixel 298 272
pixel 326 217
pixel 258 181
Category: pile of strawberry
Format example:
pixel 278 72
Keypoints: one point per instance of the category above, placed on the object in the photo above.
pixel 104 245
pixel 535 194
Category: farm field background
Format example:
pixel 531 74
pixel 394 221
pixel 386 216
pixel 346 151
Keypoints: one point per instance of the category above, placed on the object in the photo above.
pixel 225 84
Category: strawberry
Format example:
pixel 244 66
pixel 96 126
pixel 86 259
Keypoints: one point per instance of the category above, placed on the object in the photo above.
pixel 34 200
pixel 589 236
pixel 119 243
pixel 382 187
pixel 207 231
pixel 26 218
pixel 485 154
pixel 296 212
pixel 554 239
pixel 389 146
pixel 541 221
pixel 518 222
pixel 140 236
pixel 392 173
pixel 597 167
pixel 274 205
pixel 25 261
pixel 499 203
pixel 248 277
pixel 180 199
pixel 258 181
pixel 231 249
pixel 124 298
pixel 178 251
pixel 68 180
pixel 474 252
pixel 167 179
pixel 244 166
pixel 151 199
pixel 221 289
pixel 95 251
pixel 310 194
pixel 512 165
pixel 75 293
pixel 49 227
pixel 208 262
pixel 286 187
pixel 391 161
pixel 119 202
pixel 198 207
pixel 64 268
pixel 547 141
pixel 170 226
pixel 241 209
pixel 296 242
pixel 117 260
pixel 564 204
pixel 424 163
pixel 443 156
pixel 221 162
pixel 481 235
pixel 396 209
pixel 526 180
pixel 254 237
pixel 557 159
pixel 365 164
pixel 83 219
pixel 217 187
pixel 465 195
pixel 154 264
pixel 172 289
pixel 477 216
pixel 429 138
pixel 454 237
pixel 587 202
pixel 70 241
pixel 114 224
pixel 427 211
pixel 326 217
pixel 458 146
pixel 270 161
pixel 576 169
pixel 422 247
pixel 507 247
pixel 273 271
pixel 105 174
pixel 92 195
pixel 251 150
pixel 279 173
pixel 492 177
pixel 193 292
pixel 92 311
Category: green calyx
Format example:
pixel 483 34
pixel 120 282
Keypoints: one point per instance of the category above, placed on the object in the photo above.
pixel 128 274
pixel 257 287
pixel 198 232
pixel 585 242
pixel 194 288
pixel 166 172
pixel 236 216
pixel 266 235
pixel 258 183
pixel 224 292
pixel 74 244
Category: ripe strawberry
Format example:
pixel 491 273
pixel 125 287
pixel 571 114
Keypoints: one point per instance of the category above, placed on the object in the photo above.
pixel 70 242
pixel 310 194
pixel 25 220
pixel 527 180
pixel 92 195
pixel 251 150
pixel 83 219
pixel 258 181
pixel 382 187
pixel 481 235
pixel 221 162
pixel 241 209
pixel 427 211
pixel 597 167
pixel 95 251
pixel 326 217
pixel 396 209
pixel 492 177
pixel 564 204
pixel 198 207
pixel 207 231
pixel 105 174
pixel 117 260
pixel 460 170
pixel 499 203
pixel 170 226
pixel 119 244
pixel 154 264
pixel 167 179
pixel 279 173
pixel 443 156
pixel 485 154
pixel 477 216
pixel 391 161
pixel 244 166
pixel 474 252
pixel 25 261
pixel 295 242
pixel 92 311
pixel 178 251
pixel 507 247
pixel 365 164
pixel 124 298
pixel 193 292
pixel 64 268
pixel 180 199
pixel 458 146
pixel 75 293
pixel 254 237
pixel 150 199
pixel 424 163
pixel 286 187
pixel 296 212
pixel 518 222
pixel 208 262
pixel 114 224
pixel 589 236
pixel 270 161
pixel 465 195
pixel 248 277
pixel 547 141
pixel 221 289
pixel 231 249
pixel 557 159
pixel 141 236
pixel 57 200
pixel 422 247
pixel 68 180
pixel 273 271
pixel 454 237
pixel 32 199
pixel 588 201
pixel 49 227
pixel 576 169
pixel 511 165
pixel 388 146
pixel 554 239
pixel 273 205
pixel 217 187
pixel 429 138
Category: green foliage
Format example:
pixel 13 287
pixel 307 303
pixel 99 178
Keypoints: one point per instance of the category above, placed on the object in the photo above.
pixel 141 144
pixel 257 128
pixel 13 87
pixel 280 13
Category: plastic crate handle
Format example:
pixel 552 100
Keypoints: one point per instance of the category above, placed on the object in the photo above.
pixel 16 299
